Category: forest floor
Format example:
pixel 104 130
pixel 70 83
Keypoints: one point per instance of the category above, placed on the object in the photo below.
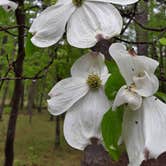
pixel 34 143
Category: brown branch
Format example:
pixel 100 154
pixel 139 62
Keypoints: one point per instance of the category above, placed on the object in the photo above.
pixel 130 20
pixel 7 28
pixel 13 27
pixel 149 28
pixel 133 42
pixel 20 78
pixel 35 77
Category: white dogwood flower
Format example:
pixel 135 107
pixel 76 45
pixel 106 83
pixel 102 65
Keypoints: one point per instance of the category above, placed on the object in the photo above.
pixel 88 21
pixel 82 96
pixel 144 131
pixel 138 72
pixel 8 5
pixel 144 121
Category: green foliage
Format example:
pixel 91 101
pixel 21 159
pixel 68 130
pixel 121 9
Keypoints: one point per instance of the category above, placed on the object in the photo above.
pixel 32 155
pixel 111 131
pixel 161 96
pixel 30 49
pixel 163 41
pixel 114 82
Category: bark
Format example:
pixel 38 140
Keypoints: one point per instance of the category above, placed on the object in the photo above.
pixel 161 67
pixel 57 131
pixel 57 119
pixel 4 99
pixel 22 97
pixel 18 69
pixel 42 93
pixel 142 35
pixel 31 97
pixel 103 47
pixel 96 155
pixel 4 41
pixel 39 109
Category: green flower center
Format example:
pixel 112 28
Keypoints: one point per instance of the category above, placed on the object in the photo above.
pixel 94 81
pixel 77 3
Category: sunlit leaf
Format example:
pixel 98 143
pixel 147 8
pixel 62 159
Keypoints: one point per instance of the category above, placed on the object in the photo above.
pixel 161 96
pixel 115 81
pixel 30 49
pixel 163 41
pixel 111 131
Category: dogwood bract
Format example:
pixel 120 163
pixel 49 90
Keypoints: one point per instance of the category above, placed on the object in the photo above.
pixel 8 5
pixel 144 121
pixel 87 21
pixel 82 96
pixel 138 72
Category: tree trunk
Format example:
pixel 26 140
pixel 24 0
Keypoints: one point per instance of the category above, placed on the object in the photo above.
pixel 31 97
pixel 57 131
pixel 96 155
pixel 22 97
pixel 161 67
pixel 4 99
pixel 42 93
pixel 39 109
pixel 142 35
pixel 18 68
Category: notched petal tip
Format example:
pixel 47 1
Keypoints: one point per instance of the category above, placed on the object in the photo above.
pixel 128 98
pixel 8 5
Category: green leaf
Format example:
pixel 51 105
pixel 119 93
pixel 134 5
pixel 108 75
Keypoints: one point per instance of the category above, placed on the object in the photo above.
pixel 30 49
pixel 115 81
pixel 161 96
pixel 111 131
pixel 163 41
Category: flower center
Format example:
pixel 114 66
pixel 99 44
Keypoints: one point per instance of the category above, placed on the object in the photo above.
pixel 77 3
pixel 132 87
pixel 94 81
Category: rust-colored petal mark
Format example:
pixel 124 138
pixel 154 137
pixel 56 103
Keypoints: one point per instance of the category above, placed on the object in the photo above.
pixel 132 52
pixel 146 153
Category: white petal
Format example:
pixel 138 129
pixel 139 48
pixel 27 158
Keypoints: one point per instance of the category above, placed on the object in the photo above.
pixel 91 22
pixel 82 121
pixel 130 65
pixel 155 126
pixel 146 85
pixel 66 93
pixel 125 96
pixel 104 78
pixel 91 63
pixel 49 26
pixel 148 64
pixel 119 2
pixel 63 2
pixel 123 60
pixel 133 136
pixel 144 131
pixel 8 5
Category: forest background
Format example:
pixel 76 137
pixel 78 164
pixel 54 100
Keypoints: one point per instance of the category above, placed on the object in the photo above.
pixel 27 74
